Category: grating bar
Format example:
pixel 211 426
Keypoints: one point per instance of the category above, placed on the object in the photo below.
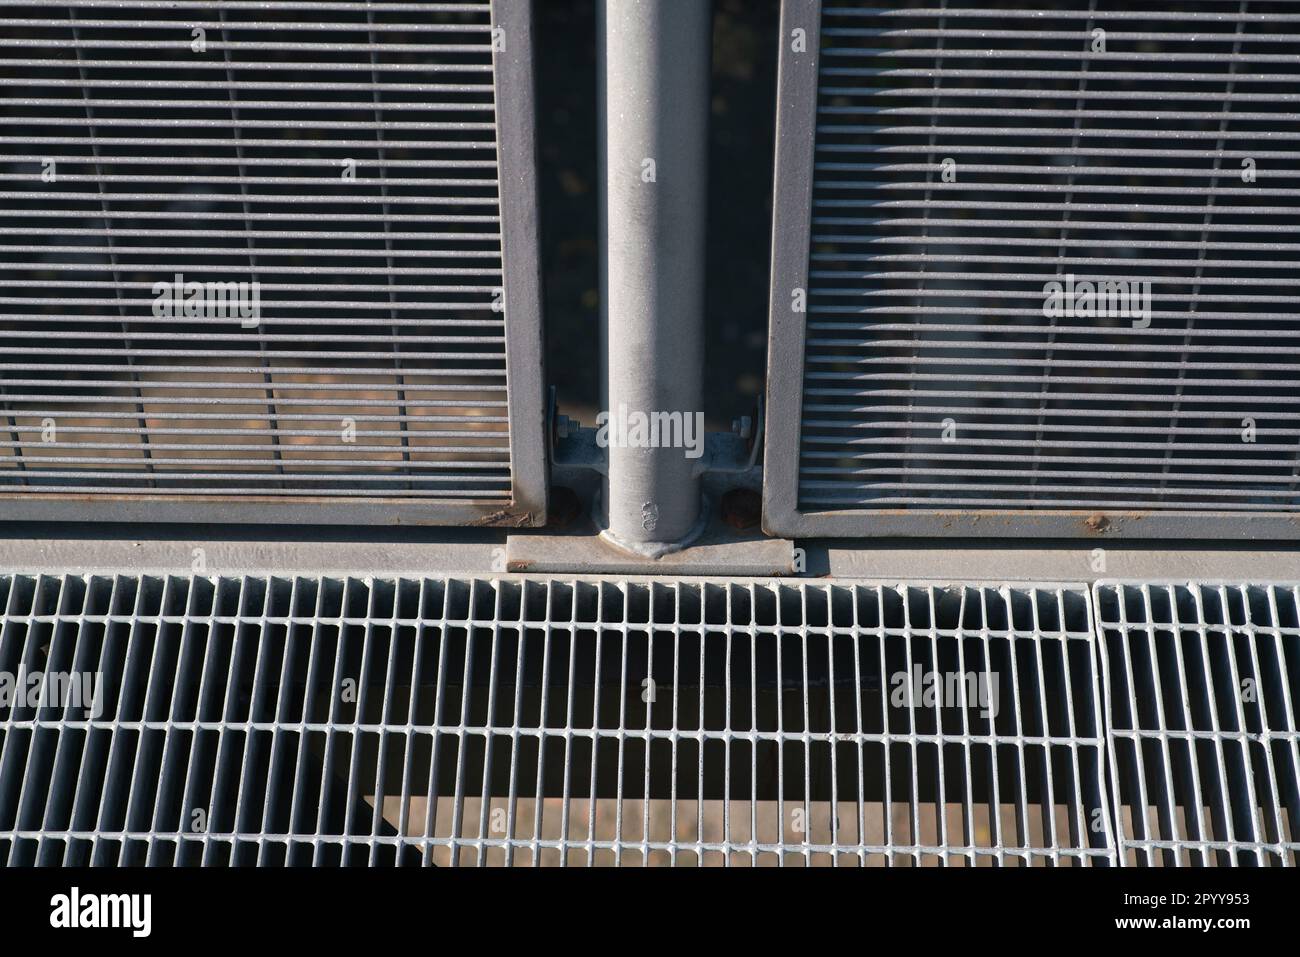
pixel 1201 691
pixel 535 722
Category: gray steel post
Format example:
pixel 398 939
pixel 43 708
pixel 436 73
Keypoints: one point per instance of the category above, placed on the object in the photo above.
pixel 654 108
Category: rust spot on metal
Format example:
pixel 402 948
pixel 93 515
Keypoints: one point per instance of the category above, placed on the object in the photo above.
pixel 1097 524
pixel 519 566
pixel 505 519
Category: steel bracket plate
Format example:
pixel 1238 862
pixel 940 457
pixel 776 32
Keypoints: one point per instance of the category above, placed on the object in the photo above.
pixel 713 554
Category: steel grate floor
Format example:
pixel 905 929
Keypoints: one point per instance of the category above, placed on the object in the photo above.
pixel 542 722
pixel 1201 683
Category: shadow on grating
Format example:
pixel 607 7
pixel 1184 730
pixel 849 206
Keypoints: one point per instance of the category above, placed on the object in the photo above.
pixel 1201 685
pixel 339 721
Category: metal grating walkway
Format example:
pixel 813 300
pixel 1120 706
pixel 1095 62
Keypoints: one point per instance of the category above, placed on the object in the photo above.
pixel 1201 684
pixel 965 158
pixel 261 251
pixel 539 722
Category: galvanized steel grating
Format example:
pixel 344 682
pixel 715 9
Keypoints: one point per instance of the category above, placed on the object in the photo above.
pixel 940 166
pixel 1201 685
pixel 269 253
pixel 540 722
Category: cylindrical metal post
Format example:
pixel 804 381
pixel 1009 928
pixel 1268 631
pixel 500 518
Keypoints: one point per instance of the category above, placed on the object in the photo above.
pixel 654 112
